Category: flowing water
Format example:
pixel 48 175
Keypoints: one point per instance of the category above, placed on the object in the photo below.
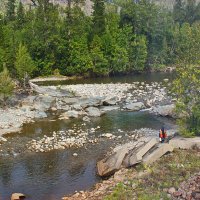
pixel 49 176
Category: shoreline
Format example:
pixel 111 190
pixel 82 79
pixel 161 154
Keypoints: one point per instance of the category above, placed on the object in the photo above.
pixel 145 182
pixel 168 69
pixel 89 100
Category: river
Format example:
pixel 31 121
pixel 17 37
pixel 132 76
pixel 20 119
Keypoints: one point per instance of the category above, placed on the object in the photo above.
pixel 50 176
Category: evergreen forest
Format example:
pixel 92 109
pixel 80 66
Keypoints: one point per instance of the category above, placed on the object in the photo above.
pixel 121 37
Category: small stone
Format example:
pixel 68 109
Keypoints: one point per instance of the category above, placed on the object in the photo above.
pixel 171 190
pixel 75 154
pixel 177 193
pixel 17 196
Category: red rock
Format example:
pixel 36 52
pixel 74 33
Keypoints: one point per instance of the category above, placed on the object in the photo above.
pixel 177 193
pixel 188 197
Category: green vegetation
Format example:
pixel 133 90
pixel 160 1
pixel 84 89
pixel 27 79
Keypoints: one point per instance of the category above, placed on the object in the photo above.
pixel 24 64
pixel 6 85
pixel 168 172
pixel 46 39
pixel 141 37
pixel 187 83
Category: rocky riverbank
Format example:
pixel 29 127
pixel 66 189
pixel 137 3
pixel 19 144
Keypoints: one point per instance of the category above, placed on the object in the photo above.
pixel 174 176
pixel 85 101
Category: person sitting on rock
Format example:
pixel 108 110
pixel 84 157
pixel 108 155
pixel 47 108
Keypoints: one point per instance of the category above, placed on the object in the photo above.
pixel 162 135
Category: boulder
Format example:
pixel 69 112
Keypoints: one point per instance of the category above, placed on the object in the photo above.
pixel 110 102
pixel 135 106
pixel 109 108
pixel 50 90
pixel 185 143
pixel 111 164
pixel 43 102
pixel 136 155
pixel 69 101
pixel 40 114
pixel 93 112
pixel 17 196
pixel 86 119
pixel 90 102
pixel 2 139
pixel 166 110
pixel 157 153
pixel 71 114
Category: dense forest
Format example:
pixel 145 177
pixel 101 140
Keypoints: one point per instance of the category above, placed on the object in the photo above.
pixel 121 37
pixel 117 38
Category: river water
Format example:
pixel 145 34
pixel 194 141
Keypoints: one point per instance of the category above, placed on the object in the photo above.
pixel 50 176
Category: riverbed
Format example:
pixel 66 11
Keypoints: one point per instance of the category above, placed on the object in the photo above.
pixel 53 174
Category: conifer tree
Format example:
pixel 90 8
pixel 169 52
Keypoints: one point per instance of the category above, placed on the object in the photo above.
pixel 98 17
pixel 10 12
pixel 24 64
pixel 6 84
pixel 179 11
pixel 20 15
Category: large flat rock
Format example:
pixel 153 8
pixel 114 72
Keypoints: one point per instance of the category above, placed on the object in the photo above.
pixel 137 154
pixel 158 153
pixel 185 143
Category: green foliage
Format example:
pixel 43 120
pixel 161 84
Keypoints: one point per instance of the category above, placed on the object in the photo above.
pixel 80 61
pixel 140 37
pixel 6 84
pixel 169 171
pixel 100 63
pixel 10 10
pixel 20 15
pixel 98 17
pixel 121 192
pixel 186 11
pixel 24 63
pixel 138 53
pixel 187 83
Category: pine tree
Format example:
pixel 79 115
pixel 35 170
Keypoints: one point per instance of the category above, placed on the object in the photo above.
pixel 138 53
pixel 10 12
pixel 6 84
pixel 100 63
pixel 20 15
pixel 179 12
pixel 24 64
pixel 98 17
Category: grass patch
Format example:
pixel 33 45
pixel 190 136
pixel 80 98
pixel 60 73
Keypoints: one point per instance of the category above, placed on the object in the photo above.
pixel 169 171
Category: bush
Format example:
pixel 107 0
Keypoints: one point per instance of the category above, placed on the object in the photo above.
pixel 6 84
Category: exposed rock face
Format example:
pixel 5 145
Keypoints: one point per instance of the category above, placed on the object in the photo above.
pixel 135 106
pixel 43 102
pixel 146 150
pixel 136 156
pixel 157 153
pixel 121 156
pixel 167 110
pixel 185 143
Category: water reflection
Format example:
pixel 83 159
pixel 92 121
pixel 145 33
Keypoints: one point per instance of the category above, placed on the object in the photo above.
pixel 51 175
pixel 148 77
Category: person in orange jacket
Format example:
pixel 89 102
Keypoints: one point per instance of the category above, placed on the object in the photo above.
pixel 162 135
